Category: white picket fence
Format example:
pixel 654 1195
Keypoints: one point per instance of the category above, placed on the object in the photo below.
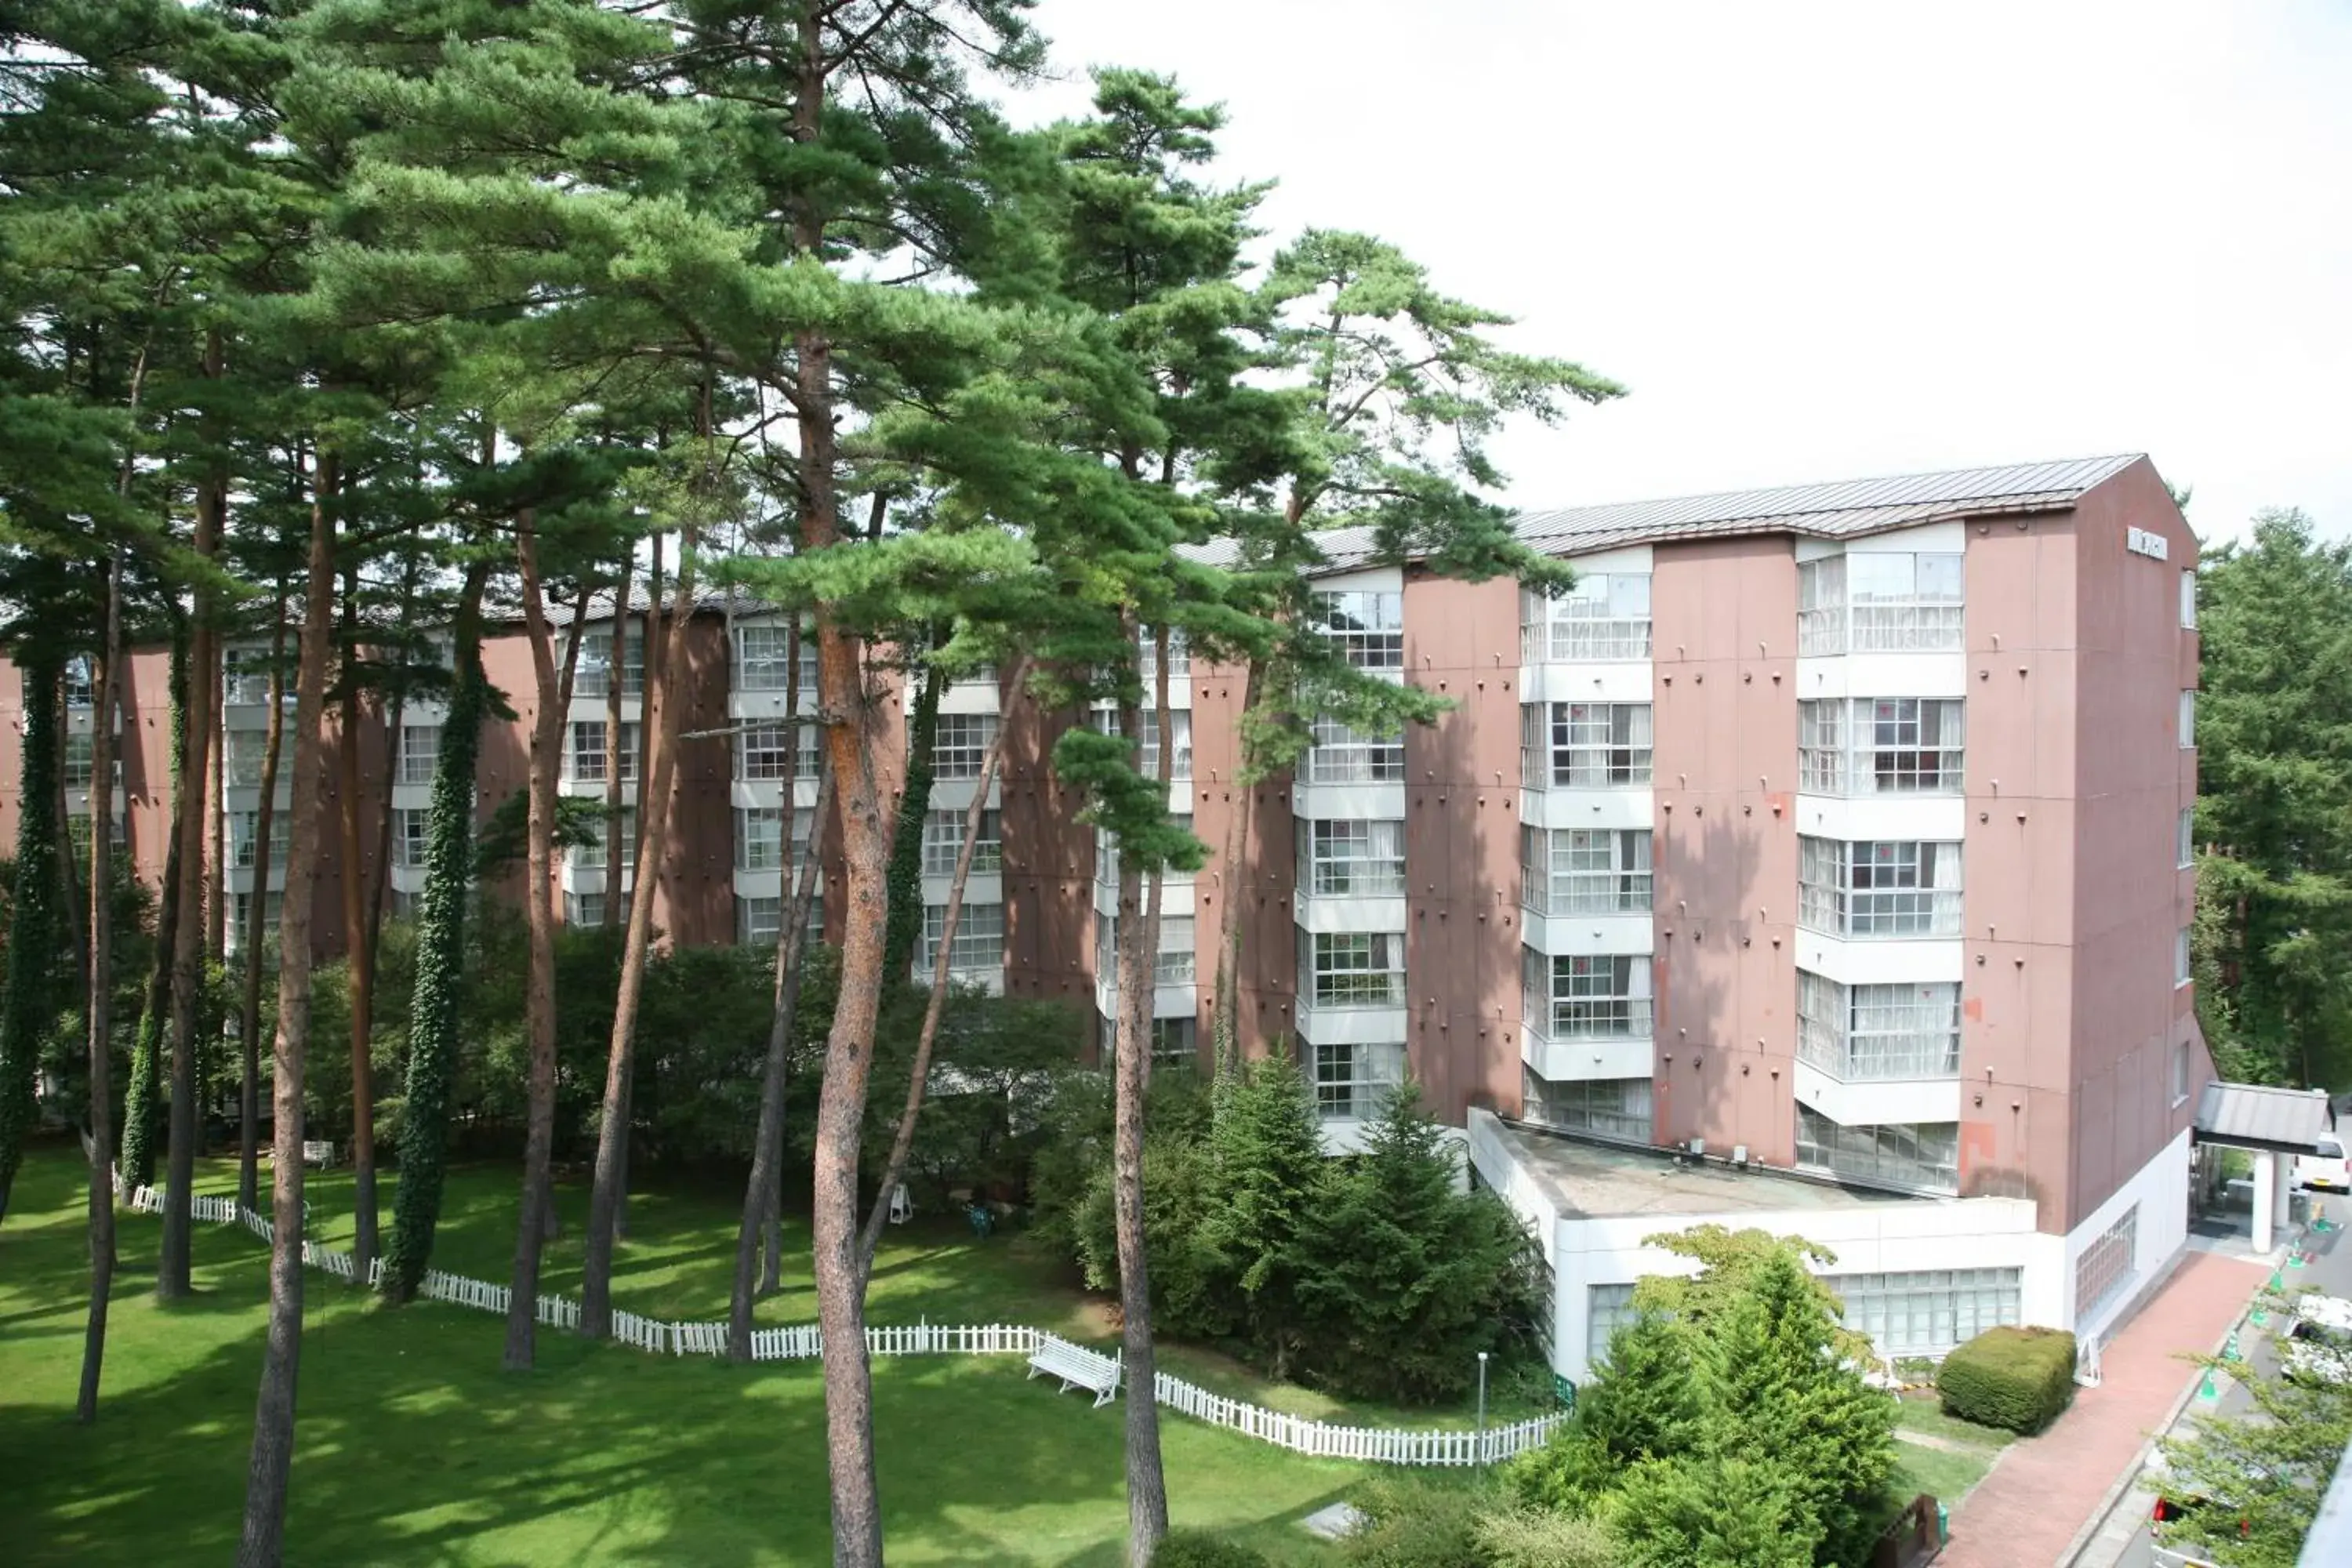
pixel 805 1342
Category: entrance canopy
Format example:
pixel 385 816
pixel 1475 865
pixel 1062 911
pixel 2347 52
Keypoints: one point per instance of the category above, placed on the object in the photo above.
pixel 2254 1116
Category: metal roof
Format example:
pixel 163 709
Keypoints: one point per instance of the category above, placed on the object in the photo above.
pixel 2256 1116
pixel 1843 509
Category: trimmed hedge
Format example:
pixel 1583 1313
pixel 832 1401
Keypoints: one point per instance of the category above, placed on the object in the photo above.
pixel 2014 1378
pixel 1199 1549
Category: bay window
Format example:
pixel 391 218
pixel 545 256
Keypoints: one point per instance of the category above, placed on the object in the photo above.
pixel 1606 616
pixel 1921 1155
pixel 1863 1033
pixel 1344 756
pixel 1352 1081
pixel 1366 627
pixel 1880 601
pixel 961 744
pixel 1880 745
pixel 1585 871
pixel 1351 969
pixel 943 843
pixel 1610 1107
pixel 1586 996
pixel 979 942
pixel 420 748
pixel 763 659
pixel 584 761
pixel 1351 859
pixel 1878 888
pixel 1584 745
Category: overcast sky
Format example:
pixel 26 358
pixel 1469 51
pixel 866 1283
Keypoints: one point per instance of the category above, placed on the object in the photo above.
pixel 1824 241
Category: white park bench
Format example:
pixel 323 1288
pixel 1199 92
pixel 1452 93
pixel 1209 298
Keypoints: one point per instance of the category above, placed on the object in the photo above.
pixel 1077 1367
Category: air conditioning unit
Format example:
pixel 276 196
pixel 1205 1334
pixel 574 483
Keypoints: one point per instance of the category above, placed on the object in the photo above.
pixel 1698 1147
pixel 1739 1155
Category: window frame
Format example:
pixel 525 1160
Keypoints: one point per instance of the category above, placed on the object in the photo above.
pixel 1371 867
pixel 1856 1042
pixel 1352 1079
pixel 1327 982
pixel 1625 885
pixel 1594 746
pixel 943 841
pixel 1869 898
pixel 1603 619
pixel 1874 1152
pixel 1840 611
pixel 407 767
pixel 770 671
pixel 1373 637
pixel 1340 755
pixel 978 945
pixel 960 745
pixel 1581 1000
pixel 1604 1107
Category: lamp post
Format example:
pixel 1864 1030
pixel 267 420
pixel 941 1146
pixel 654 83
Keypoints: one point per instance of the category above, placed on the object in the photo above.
pixel 1482 1407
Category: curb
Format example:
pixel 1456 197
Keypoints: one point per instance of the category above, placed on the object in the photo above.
pixel 2124 1483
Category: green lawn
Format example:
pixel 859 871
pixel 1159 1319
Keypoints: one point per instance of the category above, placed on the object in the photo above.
pixel 413 1447
pixel 1939 1454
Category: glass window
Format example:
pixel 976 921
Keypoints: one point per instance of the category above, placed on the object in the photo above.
pixel 244 826
pixel 1174 965
pixel 1593 745
pixel 979 939
pixel 1351 969
pixel 1175 1040
pixel 1351 1080
pixel 593 676
pixel 758 922
pixel 1878 888
pixel 583 909
pixel 1607 1309
pixel 1921 1155
pixel 2180 1073
pixel 1585 871
pixel 1880 601
pixel 1586 996
pixel 1885 745
pixel 2104 1267
pixel 1863 1033
pixel 78 759
pixel 1350 858
pixel 2188 720
pixel 960 746
pixel 2189 600
pixel 591 856
pixel 1342 756
pixel 762 655
pixel 2182 957
pixel 943 841
pixel 81 687
pixel 420 748
pixel 1927 1311
pixel 1366 627
pixel 1147 760
pixel 764 752
pixel 244 678
pixel 409 836
pixel 1146 666
pixel 586 760
pixel 1606 616
pixel 1611 1107
pixel 2185 851
pixel 240 907
pixel 1107 854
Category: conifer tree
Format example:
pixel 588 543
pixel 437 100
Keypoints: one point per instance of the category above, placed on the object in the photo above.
pixel 1269 1170
pixel 28 1003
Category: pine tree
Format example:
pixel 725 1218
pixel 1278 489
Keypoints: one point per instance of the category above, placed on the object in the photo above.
pixel 1647 1400
pixel 29 1003
pixel 1269 1158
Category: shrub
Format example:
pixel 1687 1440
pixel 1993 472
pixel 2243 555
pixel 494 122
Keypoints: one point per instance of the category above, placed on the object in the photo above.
pixel 1199 1549
pixel 1423 1523
pixel 1525 1538
pixel 2015 1378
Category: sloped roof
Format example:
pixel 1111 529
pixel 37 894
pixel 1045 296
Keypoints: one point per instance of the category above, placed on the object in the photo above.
pixel 2256 1116
pixel 1843 509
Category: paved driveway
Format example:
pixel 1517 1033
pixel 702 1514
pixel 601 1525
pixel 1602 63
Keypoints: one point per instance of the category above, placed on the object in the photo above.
pixel 2046 1488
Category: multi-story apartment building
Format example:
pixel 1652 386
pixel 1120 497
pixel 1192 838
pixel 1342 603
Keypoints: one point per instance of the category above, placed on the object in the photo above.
pixel 1819 862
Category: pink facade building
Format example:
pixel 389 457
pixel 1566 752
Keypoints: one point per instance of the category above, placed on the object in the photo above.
pixel 1819 862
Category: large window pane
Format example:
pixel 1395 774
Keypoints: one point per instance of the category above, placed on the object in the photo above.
pixel 1922 1155
pixel 1352 969
pixel 1587 996
pixel 1342 756
pixel 1349 858
pixel 1599 745
pixel 1351 1080
pixel 1611 1107
pixel 1883 888
pixel 1606 616
pixel 1368 628
pixel 1863 1033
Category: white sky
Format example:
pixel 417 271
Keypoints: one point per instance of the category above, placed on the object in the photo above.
pixel 1824 241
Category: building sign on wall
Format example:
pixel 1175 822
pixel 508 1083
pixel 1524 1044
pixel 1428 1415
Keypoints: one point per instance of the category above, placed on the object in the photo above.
pixel 2140 541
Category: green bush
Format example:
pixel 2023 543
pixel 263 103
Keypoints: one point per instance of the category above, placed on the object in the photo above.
pixel 2014 1378
pixel 1199 1549
pixel 1416 1522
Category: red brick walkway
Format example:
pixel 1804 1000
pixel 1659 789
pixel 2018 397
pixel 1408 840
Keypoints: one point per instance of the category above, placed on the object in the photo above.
pixel 2044 1489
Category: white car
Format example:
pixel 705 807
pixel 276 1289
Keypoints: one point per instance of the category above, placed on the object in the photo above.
pixel 2318 1346
pixel 2325 1170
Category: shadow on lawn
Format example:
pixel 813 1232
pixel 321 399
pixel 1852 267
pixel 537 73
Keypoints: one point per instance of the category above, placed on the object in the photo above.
pixel 411 1446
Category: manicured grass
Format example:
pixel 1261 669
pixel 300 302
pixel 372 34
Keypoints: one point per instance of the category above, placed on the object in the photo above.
pixel 1941 1455
pixel 414 1447
pixel 1924 1415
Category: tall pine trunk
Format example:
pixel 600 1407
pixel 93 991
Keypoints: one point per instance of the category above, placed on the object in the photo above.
pixel 264 1540
pixel 614 683
pixel 256 926
pixel 147 1044
pixel 902 1139
pixel 539 993
pixel 360 961
pixel 171 1276
pixel 657 764
pixel 906 842
pixel 1224 1005
pixel 100 1013
pixel 440 962
pixel 761 1191
pixel 1138 957
pixel 28 1006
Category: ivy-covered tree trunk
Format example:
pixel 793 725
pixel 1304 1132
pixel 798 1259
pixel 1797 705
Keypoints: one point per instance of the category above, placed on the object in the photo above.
pixel 257 927
pixel 28 1007
pixel 433 1024
pixel 262 1545
pixel 171 1274
pixel 99 1013
pixel 147 1044
pixel 659 738
pixel 615 682
pixel 906 842
pixel 360 963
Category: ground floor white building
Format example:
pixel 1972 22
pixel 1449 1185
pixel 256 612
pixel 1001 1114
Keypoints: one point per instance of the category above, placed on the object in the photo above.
pixel 1919 1274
